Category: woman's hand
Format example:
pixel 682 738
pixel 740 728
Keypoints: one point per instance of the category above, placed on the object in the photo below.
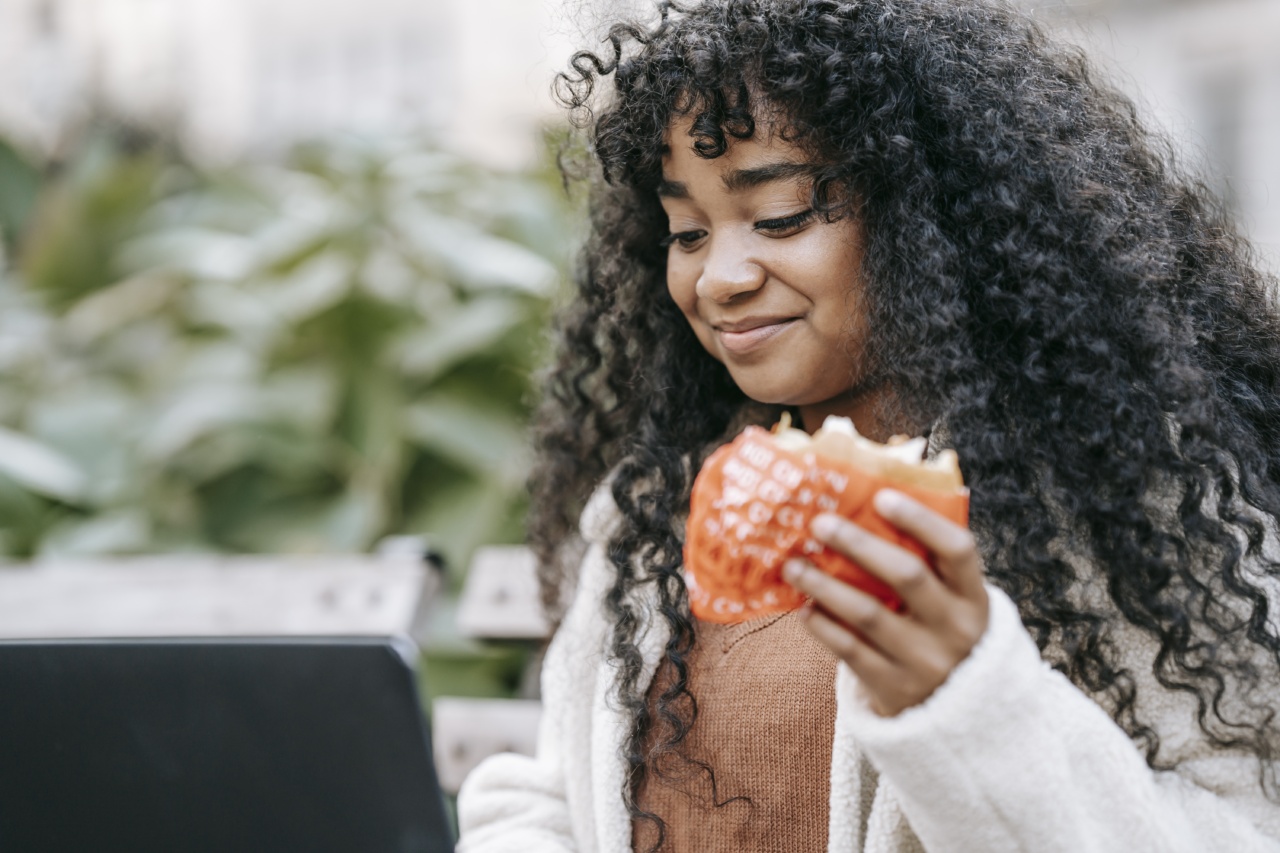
pixel 900 658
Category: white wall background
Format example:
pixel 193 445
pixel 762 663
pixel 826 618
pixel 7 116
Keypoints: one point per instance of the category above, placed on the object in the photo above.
pixel 242 76
pixel 239 75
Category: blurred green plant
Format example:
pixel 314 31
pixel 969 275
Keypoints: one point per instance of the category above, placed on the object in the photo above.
pixel 19 185
pixel 298 357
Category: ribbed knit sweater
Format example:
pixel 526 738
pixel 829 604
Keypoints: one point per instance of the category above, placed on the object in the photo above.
pixel 766 717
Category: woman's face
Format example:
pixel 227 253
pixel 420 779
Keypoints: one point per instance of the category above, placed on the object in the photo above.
pixel 771 290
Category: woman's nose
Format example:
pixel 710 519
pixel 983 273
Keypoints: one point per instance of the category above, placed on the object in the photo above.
pixel 728 273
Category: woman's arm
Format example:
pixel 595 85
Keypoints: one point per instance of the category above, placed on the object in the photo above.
pixel 516 804
pixel 986 746
pixel 1008 755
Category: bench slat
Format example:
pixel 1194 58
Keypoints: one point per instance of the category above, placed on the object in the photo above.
pixel 464 732
pixel 211 596
pixel 500 597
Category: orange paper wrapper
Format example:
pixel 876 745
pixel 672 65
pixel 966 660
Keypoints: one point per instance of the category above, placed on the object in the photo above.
pixel 750 512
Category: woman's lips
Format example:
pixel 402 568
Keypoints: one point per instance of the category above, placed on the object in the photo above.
pixel 744 337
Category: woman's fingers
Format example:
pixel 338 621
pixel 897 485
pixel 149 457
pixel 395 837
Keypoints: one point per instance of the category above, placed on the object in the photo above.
pixel 910 577
pixel 890 685
pixel 899 658
pixel 868 663
pixel 952 546
pixel 890 633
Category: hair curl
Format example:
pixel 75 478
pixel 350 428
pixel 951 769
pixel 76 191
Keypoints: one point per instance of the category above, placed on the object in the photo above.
pixel 1100 346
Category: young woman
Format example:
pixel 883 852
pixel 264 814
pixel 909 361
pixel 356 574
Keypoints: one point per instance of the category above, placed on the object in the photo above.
pixel 922 215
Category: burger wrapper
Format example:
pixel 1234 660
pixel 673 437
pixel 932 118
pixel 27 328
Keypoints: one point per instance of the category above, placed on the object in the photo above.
pixel 750 512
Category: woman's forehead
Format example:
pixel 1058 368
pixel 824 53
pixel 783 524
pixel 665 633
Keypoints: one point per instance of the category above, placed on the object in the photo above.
pixel 764 156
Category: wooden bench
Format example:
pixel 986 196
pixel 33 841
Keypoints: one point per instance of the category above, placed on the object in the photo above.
pixel 500 598
pixel 499 603
pixel 196 596
pixel 464 732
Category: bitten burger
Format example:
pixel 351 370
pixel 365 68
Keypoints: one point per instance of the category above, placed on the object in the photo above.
pixel 755 497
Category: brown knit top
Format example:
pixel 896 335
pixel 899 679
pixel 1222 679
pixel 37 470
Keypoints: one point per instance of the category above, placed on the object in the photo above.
pixel 766 715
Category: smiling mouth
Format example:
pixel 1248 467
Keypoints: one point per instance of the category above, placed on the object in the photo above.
pixel 739 338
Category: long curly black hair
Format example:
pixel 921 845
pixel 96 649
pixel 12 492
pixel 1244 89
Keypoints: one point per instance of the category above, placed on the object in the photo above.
pixel 1042 278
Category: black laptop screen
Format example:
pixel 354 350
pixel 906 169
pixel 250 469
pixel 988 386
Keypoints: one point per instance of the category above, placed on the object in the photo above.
pixel 214 745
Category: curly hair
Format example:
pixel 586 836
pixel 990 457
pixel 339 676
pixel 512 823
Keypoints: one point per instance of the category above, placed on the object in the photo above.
pixel 1043 279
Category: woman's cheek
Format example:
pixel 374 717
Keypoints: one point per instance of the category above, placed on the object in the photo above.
pixel 681 281
pixel 682 287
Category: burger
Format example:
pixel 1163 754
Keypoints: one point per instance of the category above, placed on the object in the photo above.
pixel 754 499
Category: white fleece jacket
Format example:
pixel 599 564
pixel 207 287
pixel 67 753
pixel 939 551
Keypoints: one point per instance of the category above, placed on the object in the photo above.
pixel 1007 755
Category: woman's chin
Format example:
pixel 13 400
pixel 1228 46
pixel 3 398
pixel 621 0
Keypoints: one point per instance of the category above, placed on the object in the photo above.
pixel 769 395
pixel 779 387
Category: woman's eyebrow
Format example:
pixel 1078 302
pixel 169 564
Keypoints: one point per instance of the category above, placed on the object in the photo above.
pixel 745 179
pixel 740 180
pixel 672 189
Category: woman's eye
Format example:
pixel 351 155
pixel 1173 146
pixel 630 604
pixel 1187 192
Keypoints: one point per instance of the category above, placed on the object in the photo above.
pixel 784 226
pixel 683 239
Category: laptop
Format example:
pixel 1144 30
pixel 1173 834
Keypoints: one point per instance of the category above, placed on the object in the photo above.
pixel 215 744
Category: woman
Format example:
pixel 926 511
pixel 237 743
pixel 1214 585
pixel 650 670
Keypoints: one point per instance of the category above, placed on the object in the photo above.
pixel 922 215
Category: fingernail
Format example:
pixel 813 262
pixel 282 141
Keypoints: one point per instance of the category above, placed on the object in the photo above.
pixel 824 526
pixel 792 570
pixel 887 500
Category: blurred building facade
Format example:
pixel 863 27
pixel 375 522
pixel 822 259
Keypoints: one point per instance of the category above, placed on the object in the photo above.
pixel 236 76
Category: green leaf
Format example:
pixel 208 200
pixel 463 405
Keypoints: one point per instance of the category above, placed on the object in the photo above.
pixel 196 412
pixel 469 516
pixel 346 523
pixel 93 423
pixel 120 532
pixel 234 308
pixel 476 438
pixel 355 520
pixel 19 186
pixel 306 290
pixel 459 333
pixel 286 454
pixel 477 260
pixel 112 308
pixel 99 201
pixel 200 252
pixel 391 277
pixel 25 518
pixel 39 467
